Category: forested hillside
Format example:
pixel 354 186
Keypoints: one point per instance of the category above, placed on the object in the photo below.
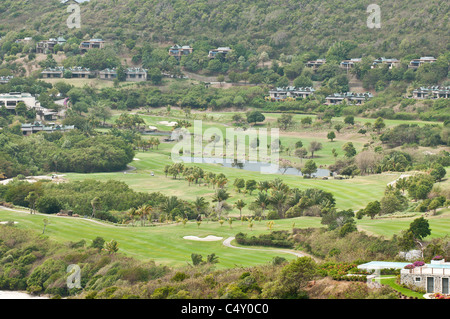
pixel 287 26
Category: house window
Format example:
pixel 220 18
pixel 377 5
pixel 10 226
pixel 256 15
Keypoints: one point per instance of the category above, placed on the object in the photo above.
pixel 445 288
pixel 417 279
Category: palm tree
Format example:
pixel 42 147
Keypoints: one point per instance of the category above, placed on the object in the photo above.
pixel 239 205
pixel 94 203
pixel 220 196
pixel 278 185
pixel 262 200
pixel 402 184
pixel 32 198
pixel 278 200
pixel 144 211
pixel 263 186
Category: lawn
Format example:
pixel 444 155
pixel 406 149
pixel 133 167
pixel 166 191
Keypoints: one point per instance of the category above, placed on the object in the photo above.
pixel 387 227
pixel 163 244
pixel 352 193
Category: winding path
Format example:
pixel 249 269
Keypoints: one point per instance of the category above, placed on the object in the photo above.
pixel 227 243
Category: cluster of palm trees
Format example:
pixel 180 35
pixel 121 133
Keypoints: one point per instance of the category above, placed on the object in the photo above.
pixel 195 174
pixel 141 213
pixel 278 196
pixel 146 144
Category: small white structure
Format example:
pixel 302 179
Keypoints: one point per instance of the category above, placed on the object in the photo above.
pixel 433 277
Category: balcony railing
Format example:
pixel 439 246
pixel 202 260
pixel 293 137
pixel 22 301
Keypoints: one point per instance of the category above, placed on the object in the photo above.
pixel 427 271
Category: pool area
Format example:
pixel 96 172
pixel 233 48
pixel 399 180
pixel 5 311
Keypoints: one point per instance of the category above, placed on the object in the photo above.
pixel 399 265
pixel 383 265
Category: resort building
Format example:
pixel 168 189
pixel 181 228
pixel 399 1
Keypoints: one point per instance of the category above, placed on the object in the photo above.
pixel 80 72
pixel 315 64
pixel 108 74
pixel 221 50
pixel 28 129
pixel 432 92
pixel 348 64
pixel 5 79
pixel 136 75
pixel 390 62
pixel 10 100
pixel 47 46
pixel 289 93
pixel 179 51
pixel 132 74
pixel 415 63
pixel 348 97
pixel 432 278
pixel 91 44
pixel 51 73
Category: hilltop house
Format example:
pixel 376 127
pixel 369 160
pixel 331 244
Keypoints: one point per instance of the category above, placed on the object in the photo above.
pixel 348 64
pixel 47 46
pixel 289 93
pixel 28 129
pixel 51 73
pixel 315 64
pixel 132 74
pixel 10 100
pixel 178 51
pixel 108 74
pixel 222 50
pixel 390 62
pixel 432 92
pixel 136 74
pixel 91 44
pixel 348 97
pixel 60 72
pixel 5 79
pixel 80 72
pixel 415 63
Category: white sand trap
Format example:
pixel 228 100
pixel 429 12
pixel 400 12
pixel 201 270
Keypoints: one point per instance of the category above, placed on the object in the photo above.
pixel 7 223
pixel 136 159
pixel 166 123
pixel 207 238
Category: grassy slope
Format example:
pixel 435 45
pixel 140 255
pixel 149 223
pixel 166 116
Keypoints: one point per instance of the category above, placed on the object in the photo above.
pixel 165 244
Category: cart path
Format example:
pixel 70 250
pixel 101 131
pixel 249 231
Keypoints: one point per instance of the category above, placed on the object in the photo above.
pixel 227 243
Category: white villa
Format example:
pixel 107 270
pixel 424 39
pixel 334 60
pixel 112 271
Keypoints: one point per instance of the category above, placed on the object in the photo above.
pixel 432 278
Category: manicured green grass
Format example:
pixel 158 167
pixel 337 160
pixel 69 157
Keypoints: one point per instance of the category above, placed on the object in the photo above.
pixel 392 282
pixel 163 244
pixel 352 193
pixel 387 227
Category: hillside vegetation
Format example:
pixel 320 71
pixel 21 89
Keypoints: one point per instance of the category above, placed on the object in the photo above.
pixel 412 27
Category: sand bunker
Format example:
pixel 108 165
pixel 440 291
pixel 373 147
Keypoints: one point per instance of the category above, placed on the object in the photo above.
pixel 207 238
pixel 4 223
pixel 166 123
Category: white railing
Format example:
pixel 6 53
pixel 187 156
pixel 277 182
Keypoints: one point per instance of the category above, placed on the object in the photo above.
pixel 427 271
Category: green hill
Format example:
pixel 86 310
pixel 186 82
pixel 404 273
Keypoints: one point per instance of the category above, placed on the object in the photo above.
pixel 287 26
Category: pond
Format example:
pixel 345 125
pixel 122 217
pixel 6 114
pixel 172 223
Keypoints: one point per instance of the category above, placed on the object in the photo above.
pixel 253 166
